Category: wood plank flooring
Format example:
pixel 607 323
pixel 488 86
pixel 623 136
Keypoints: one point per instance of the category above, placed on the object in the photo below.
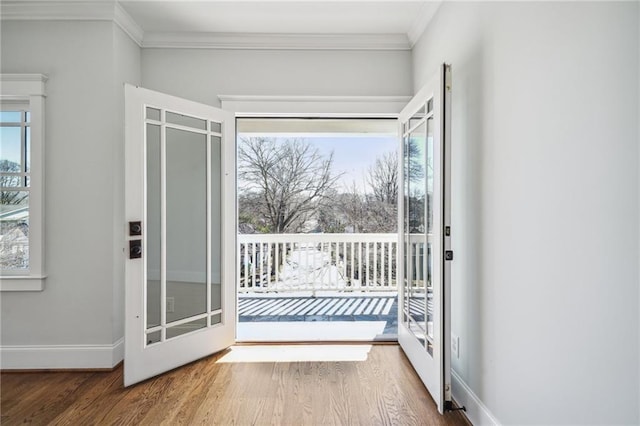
pixel 383 390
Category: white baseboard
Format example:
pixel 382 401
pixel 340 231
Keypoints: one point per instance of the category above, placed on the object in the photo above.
pixel 477 413
pixel 35 357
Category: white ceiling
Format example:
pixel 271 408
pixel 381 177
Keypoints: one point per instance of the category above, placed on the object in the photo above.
pixel 240 24
pixel 402 19
pixel 282 17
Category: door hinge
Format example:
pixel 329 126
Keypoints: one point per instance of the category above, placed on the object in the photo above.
pixel 448 255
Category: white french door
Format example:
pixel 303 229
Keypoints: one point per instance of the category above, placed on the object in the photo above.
pixel 424 215
pixel 180 212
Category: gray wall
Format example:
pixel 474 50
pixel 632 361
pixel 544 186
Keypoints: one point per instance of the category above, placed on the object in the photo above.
pixel 202 74
pixel 87 63
pixel 545 205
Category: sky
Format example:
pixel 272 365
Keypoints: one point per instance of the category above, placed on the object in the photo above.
pixel 353 155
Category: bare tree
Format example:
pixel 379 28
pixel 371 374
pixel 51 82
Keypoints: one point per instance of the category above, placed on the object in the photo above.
pixel 290 176
pixel 10 181
pixel 382 177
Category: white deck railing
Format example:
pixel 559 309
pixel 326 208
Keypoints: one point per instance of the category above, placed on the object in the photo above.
pixel 347 262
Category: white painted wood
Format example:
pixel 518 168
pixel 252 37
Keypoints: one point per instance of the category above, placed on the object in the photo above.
pixel 275 41
pixel 314 106
pixel 430 368
pixel 25 357
pixel 274 246
pixel 142 361
pixel 477 413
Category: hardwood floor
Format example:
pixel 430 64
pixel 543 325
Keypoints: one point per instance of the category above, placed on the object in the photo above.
pixel 383 390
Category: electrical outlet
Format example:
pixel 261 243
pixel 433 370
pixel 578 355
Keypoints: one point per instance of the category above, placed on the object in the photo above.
pixel 171 304
pixel 455 346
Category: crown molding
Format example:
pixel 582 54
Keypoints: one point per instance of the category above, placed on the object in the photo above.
pixel 72 10
pixel 276 41
pixel 43 10
pixel 427 12
pixel 128 25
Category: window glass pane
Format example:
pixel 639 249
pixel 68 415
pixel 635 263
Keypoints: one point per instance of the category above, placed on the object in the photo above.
pixel 27 148
pixel 153 114
pixel 216 127
pixel 186 222
pixel 11 181
pixel 14 230
pixel 181 329
pixel 28 115
pixel 185 120
pixel 10 116
pixel 10 149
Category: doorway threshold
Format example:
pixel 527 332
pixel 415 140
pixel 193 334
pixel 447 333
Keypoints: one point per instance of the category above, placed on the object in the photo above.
pixel 319 331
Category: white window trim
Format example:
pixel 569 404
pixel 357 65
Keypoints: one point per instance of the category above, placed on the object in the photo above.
pixel 315 106
pixel 30 88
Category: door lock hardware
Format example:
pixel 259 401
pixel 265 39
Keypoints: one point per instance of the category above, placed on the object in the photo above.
pixel 447 231
pixel 135 249
pixel 448 255
pixel 135 228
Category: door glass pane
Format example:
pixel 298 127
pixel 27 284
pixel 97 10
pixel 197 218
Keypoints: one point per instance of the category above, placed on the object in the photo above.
pixel 419 115
pixel 417 270
pixel 216 127
pixel 181 329
pixel 153 226
pixel 216 223
pixel 153 337
pixel 216 319
pixel 186 223
pixel 430 238
pixel 185 120
pixel 153 114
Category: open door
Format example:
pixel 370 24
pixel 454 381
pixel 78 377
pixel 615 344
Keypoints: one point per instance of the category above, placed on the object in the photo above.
pixel 424 215
pixel 180 212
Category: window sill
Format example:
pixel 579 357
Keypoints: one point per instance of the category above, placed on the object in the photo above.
pixel 22 283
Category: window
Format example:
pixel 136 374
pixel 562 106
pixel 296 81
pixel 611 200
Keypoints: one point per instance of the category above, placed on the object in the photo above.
pixel 21 182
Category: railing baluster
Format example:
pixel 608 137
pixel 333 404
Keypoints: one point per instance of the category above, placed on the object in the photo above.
pixel 389 262
pixel 277 261
pixel 246 266
pixel 375 264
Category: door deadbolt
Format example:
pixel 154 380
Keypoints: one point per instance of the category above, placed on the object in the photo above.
pixel 135 228
pixel 135 249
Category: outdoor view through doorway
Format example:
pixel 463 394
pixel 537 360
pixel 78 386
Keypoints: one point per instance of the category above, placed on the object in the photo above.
pixel 317 229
